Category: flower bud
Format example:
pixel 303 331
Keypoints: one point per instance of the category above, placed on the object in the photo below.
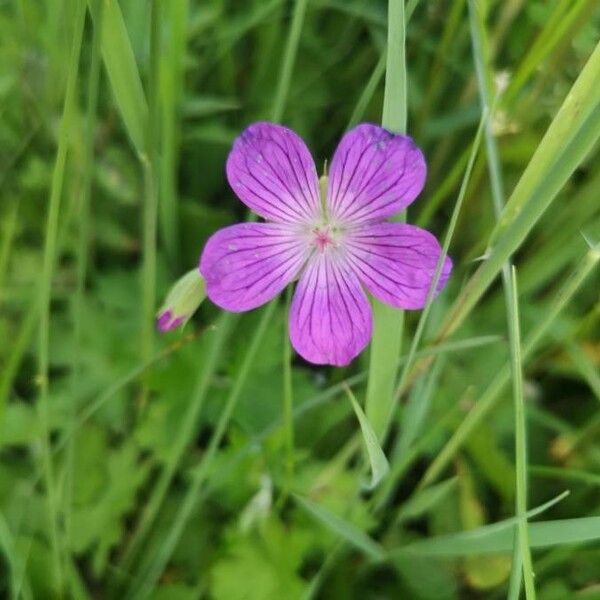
pixel 182 301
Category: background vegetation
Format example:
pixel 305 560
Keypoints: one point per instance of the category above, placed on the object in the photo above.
pixel 171 467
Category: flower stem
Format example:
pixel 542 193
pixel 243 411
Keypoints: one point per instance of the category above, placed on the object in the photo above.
pixel 288 398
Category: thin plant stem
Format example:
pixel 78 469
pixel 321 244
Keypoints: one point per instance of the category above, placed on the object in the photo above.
pixel 520 442
pixel 288 399
pixel 83 251
pixel 50 257
pixel 149 161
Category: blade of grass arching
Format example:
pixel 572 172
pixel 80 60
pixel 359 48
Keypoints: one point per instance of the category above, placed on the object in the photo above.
pixel 171 75
pixel 346 530
pixel 491 540
pixel 388 322
pixel 514 330
pixel 571 135
pixel 123 74
pixel 50 256
pixel 438 270
pixel 82 254
pixel 493 392
pixel 377 459
pixel 151 569
pixel 442 545
pixel 150 166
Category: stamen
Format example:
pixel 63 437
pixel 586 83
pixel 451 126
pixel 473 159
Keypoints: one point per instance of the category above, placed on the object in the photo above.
pixel 323 194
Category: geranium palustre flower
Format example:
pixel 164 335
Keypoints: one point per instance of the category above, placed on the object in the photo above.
pixel 329 233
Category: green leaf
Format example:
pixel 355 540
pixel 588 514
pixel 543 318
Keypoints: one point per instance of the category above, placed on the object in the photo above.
pixel 255 567
pixel 379 463
pixel 123 73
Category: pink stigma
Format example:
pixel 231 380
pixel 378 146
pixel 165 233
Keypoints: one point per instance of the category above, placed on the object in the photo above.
pixel 323 239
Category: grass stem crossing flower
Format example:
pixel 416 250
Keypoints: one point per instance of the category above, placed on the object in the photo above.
pixel 330 234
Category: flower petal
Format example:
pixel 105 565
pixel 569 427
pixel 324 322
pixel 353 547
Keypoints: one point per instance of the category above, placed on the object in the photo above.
pixel 246 265
pixel 330 317
pixel 374 174
pixel 397 262
pixel 273 173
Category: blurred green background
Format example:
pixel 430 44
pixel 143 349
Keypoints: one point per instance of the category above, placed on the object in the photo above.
pixel 134 465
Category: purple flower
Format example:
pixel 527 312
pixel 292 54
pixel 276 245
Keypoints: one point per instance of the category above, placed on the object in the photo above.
pixel 329 233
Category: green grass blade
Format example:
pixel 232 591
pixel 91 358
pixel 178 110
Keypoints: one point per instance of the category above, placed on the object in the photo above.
pixel 289 58
pixel 516 568
pixel 123 74
pixel 465 542
pixel 344 529
pixel 551 35
pixel 171 77
pixel 388 322
pixel 493 540
pixel 520 441
pixel 379 464
pixel 150 166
